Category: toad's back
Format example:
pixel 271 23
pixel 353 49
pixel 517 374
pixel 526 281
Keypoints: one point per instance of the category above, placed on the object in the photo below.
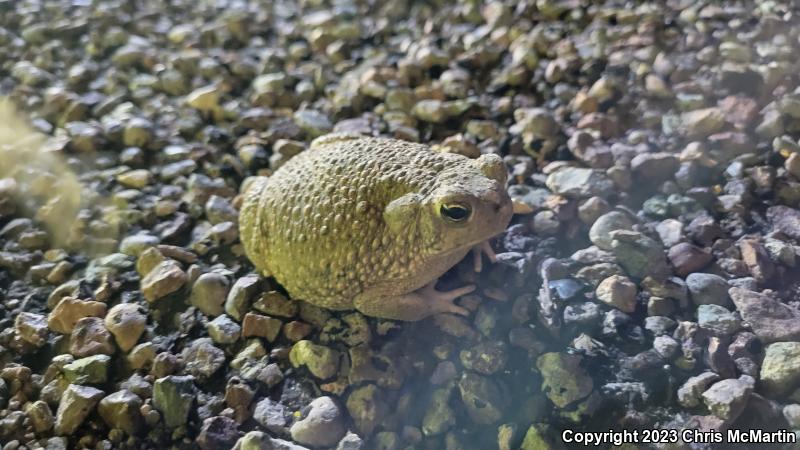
pixel 316 225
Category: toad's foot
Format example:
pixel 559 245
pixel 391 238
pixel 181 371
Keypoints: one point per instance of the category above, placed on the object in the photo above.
pixel 442 302
pixel 484 248
pixel 412 306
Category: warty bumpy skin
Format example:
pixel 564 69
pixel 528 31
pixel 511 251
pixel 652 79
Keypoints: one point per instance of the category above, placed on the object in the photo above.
pixel 358 222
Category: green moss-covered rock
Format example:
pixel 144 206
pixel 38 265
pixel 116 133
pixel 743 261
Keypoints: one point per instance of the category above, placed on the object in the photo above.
pixel 583 410
pixel 565 381
pixel 780 371
pixel 173 397
pixel 383 367
pixel 321 361
pixel 540 437
pixel 387 440
pixel 639 255
pixel 121 410
pixel 40 416
pixel 717 319
pixel 507 436
pixel 482 397
pixel 486 357
pixel 138 132
pixel 258 440
pixel 439 416
pixel 75 405
pixel 367 408
pixel 89 370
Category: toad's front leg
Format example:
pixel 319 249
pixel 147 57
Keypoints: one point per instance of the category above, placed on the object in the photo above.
pixel 412 306
pixel 484 248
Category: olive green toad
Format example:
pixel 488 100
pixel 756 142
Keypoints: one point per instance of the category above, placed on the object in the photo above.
pixel 371 223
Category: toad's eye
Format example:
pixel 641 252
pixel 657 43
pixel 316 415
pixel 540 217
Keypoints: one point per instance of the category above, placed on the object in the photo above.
pixel 455 212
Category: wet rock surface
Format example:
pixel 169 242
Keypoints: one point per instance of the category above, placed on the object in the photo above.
pixel 649 279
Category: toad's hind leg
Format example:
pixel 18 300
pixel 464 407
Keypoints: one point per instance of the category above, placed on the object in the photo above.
pixel 412 306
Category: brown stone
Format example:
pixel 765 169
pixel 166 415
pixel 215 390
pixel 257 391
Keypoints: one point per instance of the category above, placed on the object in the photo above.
pixel 688 258
pixel 126 322
pixel 757 260
pixel 296 330
pixel 771 320
pixel 69 311
pixel 276 304
pixel 606 125
pixel 90 337
pixel 164 279
pixel 261 326
pixel 741 111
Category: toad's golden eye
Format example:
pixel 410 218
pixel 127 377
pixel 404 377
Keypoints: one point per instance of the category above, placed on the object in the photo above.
pixel 455 212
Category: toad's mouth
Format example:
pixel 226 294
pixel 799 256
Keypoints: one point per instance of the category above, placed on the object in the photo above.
pixel 475 242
